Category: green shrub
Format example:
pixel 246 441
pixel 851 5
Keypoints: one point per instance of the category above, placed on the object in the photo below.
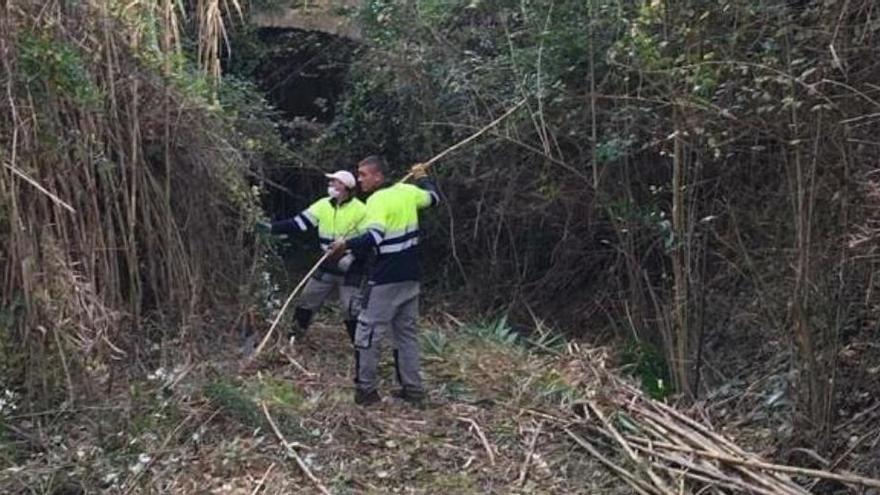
pixel 434 343
pixel 645 361
pixel 498 331
pixel 47 65
pixel 236 403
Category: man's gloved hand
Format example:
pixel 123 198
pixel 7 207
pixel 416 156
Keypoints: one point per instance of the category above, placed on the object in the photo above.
pixel 419 171
pixel 263 227
pixel 345 262
pixel 336 250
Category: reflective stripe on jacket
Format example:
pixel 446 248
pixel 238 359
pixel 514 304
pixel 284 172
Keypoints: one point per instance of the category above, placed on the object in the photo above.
pixel 392 229
pixel 333 221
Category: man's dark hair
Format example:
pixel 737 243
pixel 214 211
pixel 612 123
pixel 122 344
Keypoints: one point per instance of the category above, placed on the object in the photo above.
pixel 377 162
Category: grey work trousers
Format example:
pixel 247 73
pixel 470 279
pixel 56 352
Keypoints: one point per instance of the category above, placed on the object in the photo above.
pixel 385 307
pixel 319 287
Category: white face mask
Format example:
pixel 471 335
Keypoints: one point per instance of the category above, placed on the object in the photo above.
pixel 333 192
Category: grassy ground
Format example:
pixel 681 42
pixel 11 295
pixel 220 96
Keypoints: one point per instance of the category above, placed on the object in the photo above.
pixel 493 425
pixel 496 420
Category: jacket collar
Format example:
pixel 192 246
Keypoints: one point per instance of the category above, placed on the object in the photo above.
pixel 337 204
pixel 384 185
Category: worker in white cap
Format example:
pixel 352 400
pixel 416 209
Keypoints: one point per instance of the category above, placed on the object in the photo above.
pixel 338 216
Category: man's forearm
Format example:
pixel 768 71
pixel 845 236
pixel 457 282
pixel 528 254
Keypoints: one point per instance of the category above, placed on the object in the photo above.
pixel 364 241
pixel 428 184
pixel 285 226
pixel 301 222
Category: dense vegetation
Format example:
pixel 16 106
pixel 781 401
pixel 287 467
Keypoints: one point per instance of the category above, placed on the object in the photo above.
pixel 692 183
pixel 686 174
pixel 124 188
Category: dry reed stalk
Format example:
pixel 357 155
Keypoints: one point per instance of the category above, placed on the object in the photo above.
pixel 293 453
pixel 468 139
pixel 670 442
pixel 530 452
pixel 281 311
pixel 766 466
pixel 263 479
pixel 638 485
pixel 142 239
pixel 659 482
pixel 481 436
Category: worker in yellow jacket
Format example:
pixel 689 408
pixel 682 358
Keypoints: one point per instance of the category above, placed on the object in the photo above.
pixel 337 216
pixel 390 300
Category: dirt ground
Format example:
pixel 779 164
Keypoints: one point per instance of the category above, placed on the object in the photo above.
pixel 495 422
pixel 490 426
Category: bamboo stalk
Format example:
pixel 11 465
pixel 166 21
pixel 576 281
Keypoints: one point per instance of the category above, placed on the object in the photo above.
pixel 481 437
pixel 674 431
pixel 706 470
pixel 698 427
pixel 657 480
pixel 293 453
pixel 467 140
pixel 263 479
pixel 40 188
pixel 813 473
pixel 639 486
pixel 293 294
pixel 524 470
pixel 772 482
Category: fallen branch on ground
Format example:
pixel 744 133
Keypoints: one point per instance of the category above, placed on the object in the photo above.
pixel 263 479
pixel 524 470
pixel 481 436
pixel 293 453
pixel 667 448
pixel 293 294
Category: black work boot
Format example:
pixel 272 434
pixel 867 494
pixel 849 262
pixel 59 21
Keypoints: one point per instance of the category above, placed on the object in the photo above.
pixel 364 398
pixel 415 398
pixel 351 328
pixel 303 319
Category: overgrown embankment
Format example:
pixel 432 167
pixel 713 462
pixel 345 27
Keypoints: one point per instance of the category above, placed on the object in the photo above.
pixel 124 206
pixel 697 179
pixel 202 427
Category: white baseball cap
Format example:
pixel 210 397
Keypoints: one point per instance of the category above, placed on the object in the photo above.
pixel 343 176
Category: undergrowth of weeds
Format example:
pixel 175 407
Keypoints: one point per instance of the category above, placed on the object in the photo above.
pixel 644 361
pixel 49 65
pixel 234 402
pixel 208 431
pixel 241 402
pixel 507 361
pixel 496 402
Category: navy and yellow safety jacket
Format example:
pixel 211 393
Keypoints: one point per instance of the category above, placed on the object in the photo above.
pixel 392 230
pixel 334 220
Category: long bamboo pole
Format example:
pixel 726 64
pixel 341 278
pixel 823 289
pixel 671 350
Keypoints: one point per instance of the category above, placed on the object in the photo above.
pixel 468 139
pixel 293 294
